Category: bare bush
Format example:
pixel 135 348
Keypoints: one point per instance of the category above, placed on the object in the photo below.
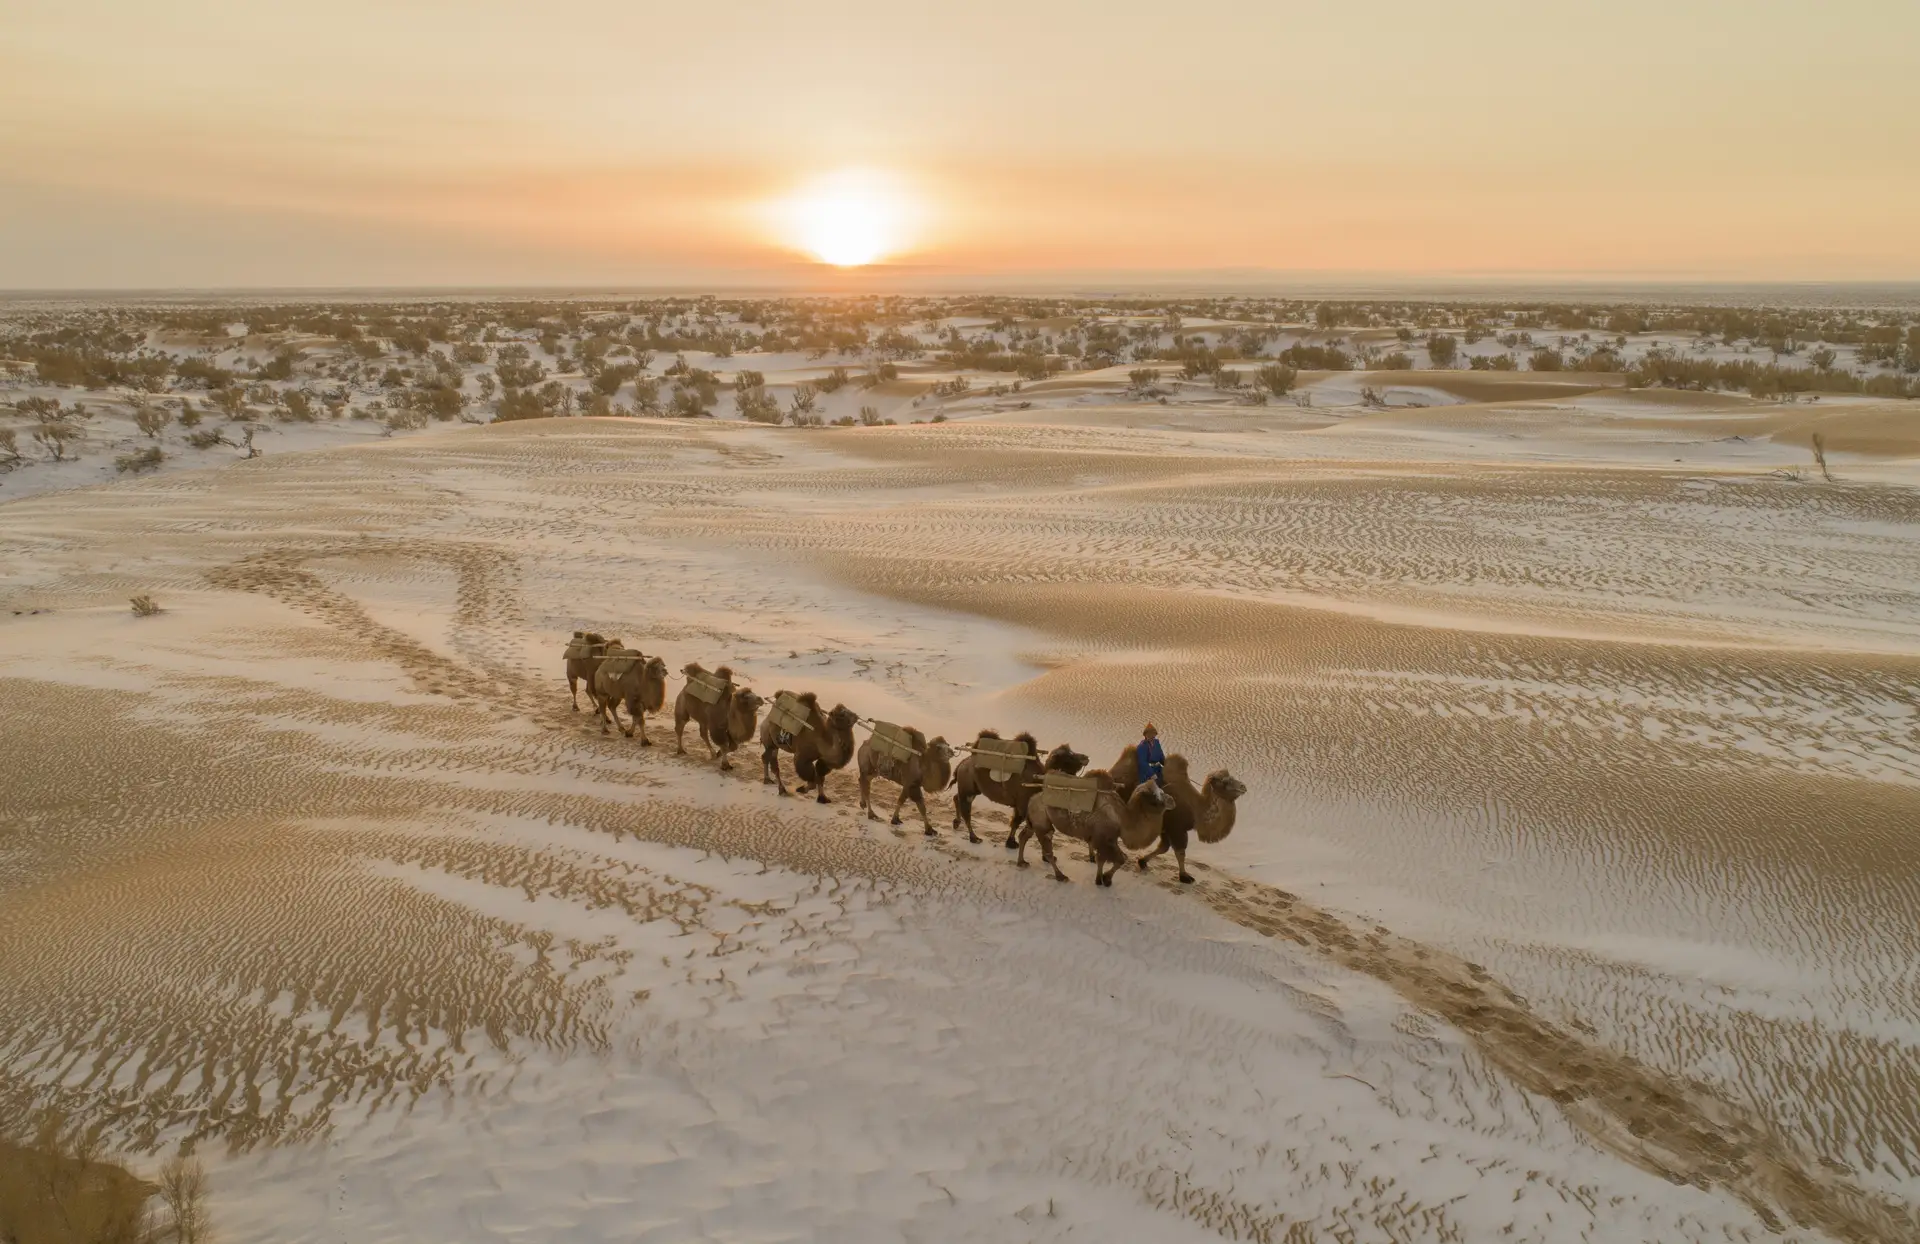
pixel 145 606
pixel 150 420
pixel 1820 456
pixel 1277 378
pixel 57 437
pixel 9 449
pixel 140 460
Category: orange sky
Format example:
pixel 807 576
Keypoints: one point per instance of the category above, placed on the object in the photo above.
pixel 198 143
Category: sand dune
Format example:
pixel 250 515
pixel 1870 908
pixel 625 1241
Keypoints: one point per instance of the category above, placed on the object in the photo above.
pixel 1572 899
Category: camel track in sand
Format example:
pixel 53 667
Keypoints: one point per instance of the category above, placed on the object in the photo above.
pixel 266 1076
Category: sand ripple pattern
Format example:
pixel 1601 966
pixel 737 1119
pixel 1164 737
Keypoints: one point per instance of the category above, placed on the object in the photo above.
pixel 325 843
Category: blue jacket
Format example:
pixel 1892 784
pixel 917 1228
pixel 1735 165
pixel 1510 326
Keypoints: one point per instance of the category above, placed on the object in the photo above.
pixel 1149 756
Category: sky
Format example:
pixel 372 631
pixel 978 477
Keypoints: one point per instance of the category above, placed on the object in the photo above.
pixel 234 143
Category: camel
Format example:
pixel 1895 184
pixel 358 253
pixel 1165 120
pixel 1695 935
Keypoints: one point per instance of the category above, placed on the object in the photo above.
pixel 1112 824
pixel 1207 811
pixel 641 685
pixel 973 779
pixel 932 769
pixel 825 745
pixel 580 668
pixel 725 724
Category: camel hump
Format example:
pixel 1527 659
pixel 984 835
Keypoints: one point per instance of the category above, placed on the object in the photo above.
pixel 1033 744
pixel 809 699
pixel 918 739
pixel 724 671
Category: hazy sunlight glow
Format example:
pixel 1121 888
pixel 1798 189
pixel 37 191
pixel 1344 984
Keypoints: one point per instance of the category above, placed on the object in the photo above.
pixel 849 218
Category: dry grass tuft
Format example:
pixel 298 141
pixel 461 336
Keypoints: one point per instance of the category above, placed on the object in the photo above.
pixel 145 606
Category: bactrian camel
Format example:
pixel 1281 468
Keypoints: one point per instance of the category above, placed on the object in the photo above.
pixel 725 724
pixel 1207 810
pixel 825 745
pixel 1110 826
pixel 932 769
pixel 580 668
pixel 972 779
pixel 640 685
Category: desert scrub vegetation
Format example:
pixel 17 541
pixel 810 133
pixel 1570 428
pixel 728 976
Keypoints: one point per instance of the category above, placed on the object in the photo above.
pixel 139 460
pixel 57 1186
pixel 144 606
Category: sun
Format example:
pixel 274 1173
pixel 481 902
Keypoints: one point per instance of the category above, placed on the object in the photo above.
pixel 849 218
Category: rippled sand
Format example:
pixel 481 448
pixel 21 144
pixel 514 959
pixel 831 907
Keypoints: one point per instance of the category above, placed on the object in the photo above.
pixel 1579 851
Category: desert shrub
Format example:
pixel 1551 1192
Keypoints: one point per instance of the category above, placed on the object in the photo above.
pixel 1399 360
pixel 869 416
pixel 405 419
pixel 955 387
pixel 801 407
pixel 140 460
pixel 1277 378
pixel 58 1188
pixel 646 395
pixel 199 373
pixel 231 402
pixel 608 380
pixel 189 417
pixel 9 448
pixel 298 407
pixel 151 420
pixel 1493 362
pixel 1442 348
pixel 206 438
pixel 1033 366
pixel 519 404
pixel 833 381
pixel 469 352
pixel 1143 379
pixel 57 437
pixel 1317 358
pixel 1546 358
pixel 1226 378
pixel 279 367
pixel 1820 456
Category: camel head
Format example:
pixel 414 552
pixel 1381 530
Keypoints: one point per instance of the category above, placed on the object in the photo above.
pixel 691 668
pixel 842 718
pixel 747 700
pixel 936 764
pixel 1063 759
pixel 656 668
pixel 1148 797
pixel 1225 785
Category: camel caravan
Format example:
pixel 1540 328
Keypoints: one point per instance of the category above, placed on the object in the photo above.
pixel 1053 794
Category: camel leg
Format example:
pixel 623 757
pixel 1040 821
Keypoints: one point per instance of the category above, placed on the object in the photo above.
pixel 680 733
pixel 770 763
pixel 899 803
pixel 1149 855
pixel 726 757
pixel 1020 860
pixel 633 719
pixel 866 796
pixel 1180 859
pixel 573 689
pixel 1048 858
pixel 963 811
pixel 1013 826
pixel 926 822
